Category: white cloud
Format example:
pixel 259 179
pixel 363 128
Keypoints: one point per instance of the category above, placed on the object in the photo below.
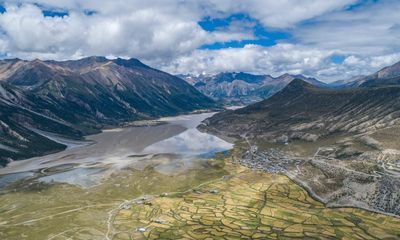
pixel 279 59
pixel 147 33
pixel 273 60
pixel 363 64
pixel 287 13
pixel 166 34
pixel 272 13
pixel 26 30
pixel 368 30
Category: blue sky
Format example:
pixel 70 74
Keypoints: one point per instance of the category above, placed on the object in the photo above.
pixel 329 40
pixel 262 35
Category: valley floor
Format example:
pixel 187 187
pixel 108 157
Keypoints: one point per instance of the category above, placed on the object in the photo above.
pixel 224 201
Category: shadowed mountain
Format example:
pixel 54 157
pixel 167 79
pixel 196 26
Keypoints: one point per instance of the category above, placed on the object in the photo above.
pixel 242 88
pixel 341 145
pixel 74 98
pixel 304 111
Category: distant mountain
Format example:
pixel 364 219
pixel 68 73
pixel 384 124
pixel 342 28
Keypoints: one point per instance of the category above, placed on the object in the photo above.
pixel 348 83
pixel 242 88
pixel 74 98
pixel 386 76
pixel 304 111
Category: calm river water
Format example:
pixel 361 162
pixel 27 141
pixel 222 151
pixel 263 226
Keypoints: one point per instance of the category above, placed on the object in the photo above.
pixel 172 147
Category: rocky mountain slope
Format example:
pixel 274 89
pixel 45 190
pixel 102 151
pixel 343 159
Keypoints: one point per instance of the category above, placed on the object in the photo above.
pixel 340 145
pixel 386 76
pixel 302 110
pixel 242 88
pixel 73 98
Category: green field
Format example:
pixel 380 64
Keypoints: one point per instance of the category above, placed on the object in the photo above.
pixel 249 205
pixel 221 201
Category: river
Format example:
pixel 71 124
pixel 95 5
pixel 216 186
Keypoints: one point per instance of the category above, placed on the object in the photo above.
pixel 172 147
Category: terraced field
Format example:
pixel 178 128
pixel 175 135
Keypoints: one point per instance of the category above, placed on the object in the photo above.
pixel 247 205
pixel 220 201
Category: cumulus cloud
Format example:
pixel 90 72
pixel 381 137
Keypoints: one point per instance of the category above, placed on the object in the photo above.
pixel 145 32
pixel 279 59
pixel 275 60
pixel 166 34
pixel 26 32
pixel 280 14
pixel 368 30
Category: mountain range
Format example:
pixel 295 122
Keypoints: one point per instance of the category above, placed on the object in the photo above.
pixel 339 140
pixel 304 111
pixel 341 144
pixel 239 88
pixel 78 97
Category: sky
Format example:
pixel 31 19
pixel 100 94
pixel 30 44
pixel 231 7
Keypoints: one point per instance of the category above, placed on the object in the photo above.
pixel 326 39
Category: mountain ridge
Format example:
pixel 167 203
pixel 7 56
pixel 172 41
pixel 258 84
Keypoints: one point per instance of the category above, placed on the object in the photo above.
pixel 308 104
pixel 242 88
pixel 337 143
pixel 84 96
pixel 389 75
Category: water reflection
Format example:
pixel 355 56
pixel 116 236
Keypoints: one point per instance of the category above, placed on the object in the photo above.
pixel 171 148
pixel 110 147
pixel 190 142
